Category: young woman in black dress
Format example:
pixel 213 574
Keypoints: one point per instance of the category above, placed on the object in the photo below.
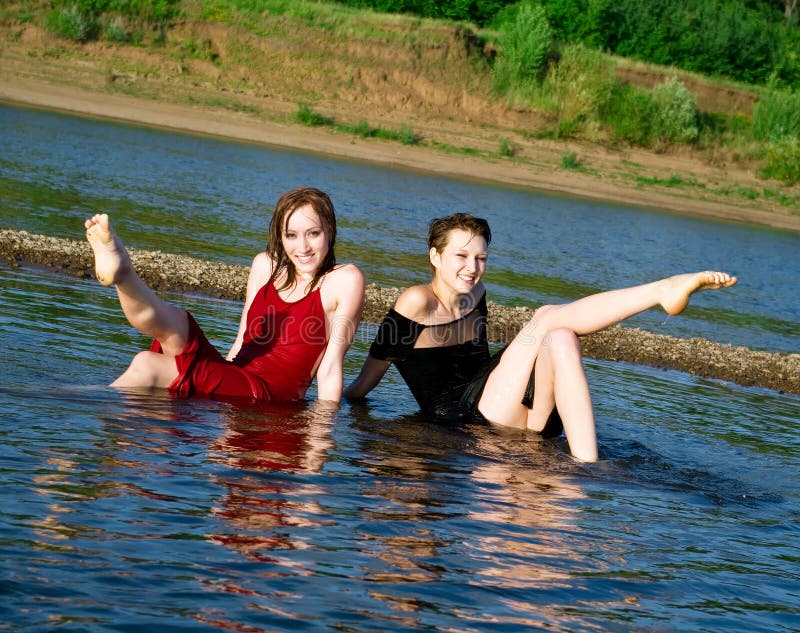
pixel 436 336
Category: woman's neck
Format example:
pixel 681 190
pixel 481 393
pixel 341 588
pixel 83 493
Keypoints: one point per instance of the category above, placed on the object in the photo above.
pixel 299 286
pixel 454 304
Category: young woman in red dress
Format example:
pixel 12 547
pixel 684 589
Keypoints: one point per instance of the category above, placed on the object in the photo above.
pixel 300 314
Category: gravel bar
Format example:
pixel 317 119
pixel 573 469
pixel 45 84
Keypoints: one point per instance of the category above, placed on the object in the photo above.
pixel 164 271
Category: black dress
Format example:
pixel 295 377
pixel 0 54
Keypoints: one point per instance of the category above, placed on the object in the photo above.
pixel 446 365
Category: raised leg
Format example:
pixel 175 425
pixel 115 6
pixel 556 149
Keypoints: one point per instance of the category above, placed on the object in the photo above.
pixel 599 311
pixel 501 401
pixel 143 308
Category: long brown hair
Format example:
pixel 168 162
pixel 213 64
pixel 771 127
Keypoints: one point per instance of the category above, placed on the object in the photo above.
pixel 287 205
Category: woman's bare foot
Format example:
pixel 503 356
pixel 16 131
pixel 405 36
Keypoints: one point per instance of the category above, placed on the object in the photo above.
pixel 677 290
pixel 110 257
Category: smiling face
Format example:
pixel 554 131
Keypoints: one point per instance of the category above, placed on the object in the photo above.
pixel 305 241
pixel 302 235
pixel 461 263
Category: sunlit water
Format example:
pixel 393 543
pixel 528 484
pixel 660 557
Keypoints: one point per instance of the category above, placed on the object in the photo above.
pixel 138 512
pixel 213 199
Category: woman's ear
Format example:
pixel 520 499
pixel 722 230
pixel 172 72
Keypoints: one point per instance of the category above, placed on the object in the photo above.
pixel 435 257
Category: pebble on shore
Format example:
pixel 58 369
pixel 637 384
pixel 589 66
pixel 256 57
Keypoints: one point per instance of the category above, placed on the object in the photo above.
pixel 164 271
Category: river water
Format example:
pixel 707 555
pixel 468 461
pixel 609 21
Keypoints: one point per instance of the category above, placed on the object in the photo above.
pixel 130 511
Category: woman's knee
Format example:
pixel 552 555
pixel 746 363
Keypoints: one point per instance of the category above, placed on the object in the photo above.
pixel 541 313
pixel 563 345
pixel 538 326
pixel 147 369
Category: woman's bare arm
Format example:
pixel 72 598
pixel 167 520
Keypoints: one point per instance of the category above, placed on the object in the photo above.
pixel 260 271
pixel 348 285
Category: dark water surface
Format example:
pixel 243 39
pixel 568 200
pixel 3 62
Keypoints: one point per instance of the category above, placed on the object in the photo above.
pixel 137 512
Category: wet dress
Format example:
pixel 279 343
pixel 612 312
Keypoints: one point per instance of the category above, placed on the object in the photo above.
pixel 282 346
pixel 446 365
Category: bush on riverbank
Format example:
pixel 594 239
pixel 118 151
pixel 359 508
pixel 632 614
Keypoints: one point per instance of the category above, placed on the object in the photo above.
pixel 548 57
pixel 746 41
pixel 579 87
pixel 782 160
pixel 526 42
pixel 776 122
pixel 115 20
pixel 776 116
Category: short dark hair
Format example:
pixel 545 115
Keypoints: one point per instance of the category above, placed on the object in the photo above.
pixel 440 228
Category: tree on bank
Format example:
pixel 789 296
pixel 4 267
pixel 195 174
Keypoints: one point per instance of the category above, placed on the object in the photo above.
pixel 745 40
pixel 790 8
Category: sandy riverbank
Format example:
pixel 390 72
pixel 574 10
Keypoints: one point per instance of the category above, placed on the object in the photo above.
pixel 241 127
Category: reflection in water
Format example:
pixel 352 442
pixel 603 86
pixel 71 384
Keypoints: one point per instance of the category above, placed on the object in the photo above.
pixel 263 439
pixel 406 529
pixel 528 539
pixel 420 526
pixel 143 508
pixel 54 485
pixel 506 505
pixel 70 478
pixel 532 501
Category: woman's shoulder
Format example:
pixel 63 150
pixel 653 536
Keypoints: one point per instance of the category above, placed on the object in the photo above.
pixel 343 285
pixel 263 262
pixel 261 268
pixel 416 303
pixel 346 274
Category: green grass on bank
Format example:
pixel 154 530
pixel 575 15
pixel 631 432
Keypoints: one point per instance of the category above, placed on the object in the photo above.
pixel 304 115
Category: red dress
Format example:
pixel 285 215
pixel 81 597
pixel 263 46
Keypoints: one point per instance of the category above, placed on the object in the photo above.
pixel 282 346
